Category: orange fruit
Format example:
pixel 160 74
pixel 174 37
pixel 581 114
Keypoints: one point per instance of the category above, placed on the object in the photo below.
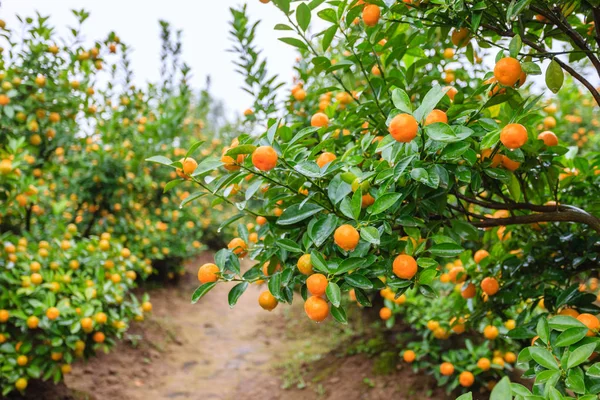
pixel 405 266
pixel 33 322
pixel 490 332
pixel 385 313
pixel 484 363
pixel 490 286
pixel 432 325
pixel 446 369
pixel 305 265
pixel 52 313
pixel 146 307
pixel 510 357
pixel 403 128
pixel 496 160
pixel 189 166
pixel 436 116
pixel 319 120
pixel 508 71
pixel 101 318
pixel 325 158
pixel 87 324
pixel 299 95
pixel 267 301
pixel 229 163
pixel 264 158
pixel 513 136
pixel 466 379
pixel 549 122
pixel 549 138
pixel 460 37
pixel 510 164
pixel 4 315
pixel 4 99
pixel 22 360
pixel 591 321
pixel 571 312
pixel 260 220
pixel 317 284
pixel 371 14
pixel 346 237
pixel 457 274
pixel 208 273
pixel 99 337
pixel 316 308
pixel 469 291
pixel 409 356
pixel 480 255
pixel 451 92
pixel 238 246
pixel 367 200
pixel 21 384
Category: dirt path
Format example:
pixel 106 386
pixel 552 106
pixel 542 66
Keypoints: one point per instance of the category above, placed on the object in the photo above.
pixel 209 351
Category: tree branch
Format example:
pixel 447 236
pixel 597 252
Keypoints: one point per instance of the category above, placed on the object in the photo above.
pixel 558 216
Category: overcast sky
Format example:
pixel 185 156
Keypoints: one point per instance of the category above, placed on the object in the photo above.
pixel 205 41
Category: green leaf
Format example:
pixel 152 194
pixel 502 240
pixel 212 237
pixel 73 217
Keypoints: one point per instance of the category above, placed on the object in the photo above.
pixel 333 294
pixel 515 46
pixel 289 245
pixel 570 336
pixel 384 202
pixel 296 213
pixel 427 276
pixel 531 68
pixel 430 101
pixel 170 185
pixel 328 36
pixel 370 234
pixel 575 380
pixel 339 314
pixel 502 390
pixel 229 221
pixel 554 76
pixel 543 357
pixel 294 42
pixel 193 148
pixel 303 16
pixel 563 322
pixel 359 281
pixel 321 229
pixel 543 330
pixel 318 262
pixel 241 149
pixel 161 160
pixel 207 165
pixel 594 371
pixel 236 292
pixel 402 101
pixel 445 250
pixel 466 396
pixel 202 290
pixel 440 132
pixel 580 354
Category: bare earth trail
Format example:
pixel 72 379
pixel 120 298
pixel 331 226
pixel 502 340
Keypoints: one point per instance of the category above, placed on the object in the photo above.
pixel 209 351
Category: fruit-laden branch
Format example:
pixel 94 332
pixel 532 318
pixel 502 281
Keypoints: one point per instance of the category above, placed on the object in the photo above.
pixel 550 213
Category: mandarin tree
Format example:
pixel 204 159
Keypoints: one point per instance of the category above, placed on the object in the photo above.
pixel 431 176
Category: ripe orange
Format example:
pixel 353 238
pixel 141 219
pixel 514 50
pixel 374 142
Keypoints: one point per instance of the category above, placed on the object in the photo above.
pixel 146 307
pixel 264 158
pixel 469 291
pixel 549 122
pixel 432 325
pixel 317 284
pixel 446 369
pixel 508 71
pixel 87 324
pixel 591 321
pixel 490 332
pixel 367 200
pixel 99 337
pixel 371 14
pixel 189 166
pixel 299 95
pixel 448 53
pixel 451 92
pixel 319 120
pixel 22 360
pixel 4 99
pixel 466 379
pixel 510 324
pixel 21 384
pixel 436 116
pixel 510 357
pixel 101 318
pixel 208 273
pixel 404 266
pixel 385 313
pixel 457 274
pixel 305 265
pixel 33 322
pixel 571 312
pixel 403 128
pixel 238 246
pixel 52 313
pixel 316 308
pixel 346 237
pixel 325 158
pixel 267 301
pixel 484 363
pixel 409 356
pixel 510 164
pixel 480 255
pixel 4 315
pixel 229 163
pixel 513 136
pixel 490 286
pixel 260 220
pixel 549 138
pixel 460 37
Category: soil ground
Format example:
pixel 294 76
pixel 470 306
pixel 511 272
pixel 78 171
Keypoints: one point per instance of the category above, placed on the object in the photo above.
pixel 209 351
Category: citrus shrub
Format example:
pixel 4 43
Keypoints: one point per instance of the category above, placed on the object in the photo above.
pixel 392 158
pixel 83 217
pixel 62 299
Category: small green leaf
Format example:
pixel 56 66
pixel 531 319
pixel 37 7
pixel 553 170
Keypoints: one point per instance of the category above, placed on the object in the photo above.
pixel 384 202
pixel 333 294
pixel 570 336
pixel 402 101
pixel 303 16
pixel 236 292
pixel 202 290
pixel 297 212
pixel 554 76
pixel 339 314
pixel 359 281
pixel 502 390
pixel 370 234
pixel 543 357
pixel 580 354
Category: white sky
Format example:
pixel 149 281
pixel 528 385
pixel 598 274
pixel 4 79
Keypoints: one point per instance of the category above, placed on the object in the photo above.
pixel 205 36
